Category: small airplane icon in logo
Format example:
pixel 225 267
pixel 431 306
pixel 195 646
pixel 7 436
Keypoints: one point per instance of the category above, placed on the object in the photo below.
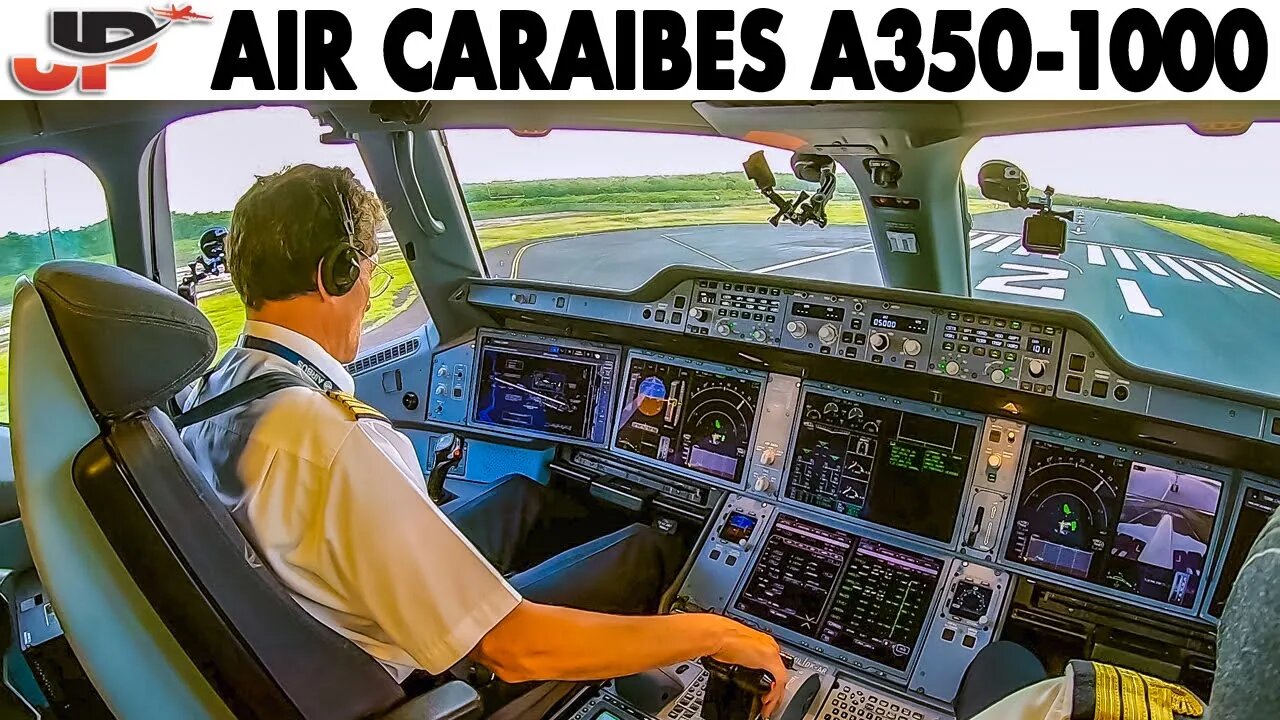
pixel 178 14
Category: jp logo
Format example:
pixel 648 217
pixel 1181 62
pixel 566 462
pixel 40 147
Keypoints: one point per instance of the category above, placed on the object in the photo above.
pixel 112 37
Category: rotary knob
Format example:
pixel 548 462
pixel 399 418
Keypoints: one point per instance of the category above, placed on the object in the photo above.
pixel 762 483
pixel 1036 368
pixel 769 455
pixel 994 461
pixel 879 342
pixel 441 390
pixel 911 347
pixel 998 376
pixel 952 368
pixel 760 335
pixel 828 334
pixel 724 328
pixel 699 315
pixel 797 329
pixel 443 372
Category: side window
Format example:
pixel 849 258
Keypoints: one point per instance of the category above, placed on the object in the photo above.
pixel 51 207
pixel 213 159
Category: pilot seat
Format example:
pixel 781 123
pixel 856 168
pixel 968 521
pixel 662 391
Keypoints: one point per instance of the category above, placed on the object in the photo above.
pixel 159 593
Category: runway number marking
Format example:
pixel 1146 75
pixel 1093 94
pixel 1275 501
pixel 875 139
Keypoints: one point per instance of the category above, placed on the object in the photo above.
pixel 1032 274
pixel 1135 300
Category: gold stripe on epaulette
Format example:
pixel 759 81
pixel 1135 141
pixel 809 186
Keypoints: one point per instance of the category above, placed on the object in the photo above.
pixel 357 408
pixel 1122 694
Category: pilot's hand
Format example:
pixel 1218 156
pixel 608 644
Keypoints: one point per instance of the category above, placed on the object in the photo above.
pixel 743 646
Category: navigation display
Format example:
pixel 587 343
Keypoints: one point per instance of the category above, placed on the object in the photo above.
pixel 689 418
pixel 1130 526
pixel 895 468
pixel 551 389
pixel 853 593
pixel 1256 507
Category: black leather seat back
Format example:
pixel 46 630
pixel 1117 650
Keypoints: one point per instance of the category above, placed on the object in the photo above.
pixel 266 657
pixel 263 654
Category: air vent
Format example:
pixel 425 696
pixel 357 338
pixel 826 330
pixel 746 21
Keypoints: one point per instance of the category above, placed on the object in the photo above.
pixel 382 357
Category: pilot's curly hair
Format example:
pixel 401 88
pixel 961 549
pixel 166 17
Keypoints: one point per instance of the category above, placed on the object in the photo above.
pixel 285 223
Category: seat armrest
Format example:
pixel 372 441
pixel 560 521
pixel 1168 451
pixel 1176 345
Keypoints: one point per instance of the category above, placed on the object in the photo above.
pixel 455 700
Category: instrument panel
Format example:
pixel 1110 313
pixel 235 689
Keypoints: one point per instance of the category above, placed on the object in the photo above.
pixel 880 532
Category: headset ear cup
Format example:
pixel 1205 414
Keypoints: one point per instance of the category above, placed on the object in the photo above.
pixel 340 270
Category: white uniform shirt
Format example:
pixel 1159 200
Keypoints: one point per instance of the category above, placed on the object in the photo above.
pixel 338 509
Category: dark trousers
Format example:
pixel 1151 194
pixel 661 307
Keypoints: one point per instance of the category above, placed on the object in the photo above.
pixel 624 572
pixel 997 671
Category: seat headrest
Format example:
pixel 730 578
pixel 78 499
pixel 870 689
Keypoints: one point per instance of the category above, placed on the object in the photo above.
pixel 131 343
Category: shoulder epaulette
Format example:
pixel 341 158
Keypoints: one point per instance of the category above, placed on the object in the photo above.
pixel 1107 692
pixel 355 407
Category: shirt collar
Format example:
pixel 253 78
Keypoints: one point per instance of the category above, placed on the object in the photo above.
pixel 307 348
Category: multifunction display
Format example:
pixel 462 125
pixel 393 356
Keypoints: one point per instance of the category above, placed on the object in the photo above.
pixel 1130 526
pixel 553 389
pixel 891 467
pixel 1256 507
pixel 853 593
pixel 688 417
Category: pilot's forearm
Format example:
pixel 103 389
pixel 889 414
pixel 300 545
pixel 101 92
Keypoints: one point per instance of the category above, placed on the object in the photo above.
pixel 542 642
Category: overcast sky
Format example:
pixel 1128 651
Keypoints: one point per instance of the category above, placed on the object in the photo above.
pixel 213 159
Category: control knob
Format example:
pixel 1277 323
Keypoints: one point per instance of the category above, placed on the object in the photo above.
pixel 769 456
pixel 952 368
pixel 994 461
pixel 762 483
pixel 443 372
pixel 797 329
pixel 725 327
pixel 998 376
pixel 1036 368
pixel 441 390
pixel 828 334
pixel 699 315
pixel 879 342
pixel 911 347
pixel 760 335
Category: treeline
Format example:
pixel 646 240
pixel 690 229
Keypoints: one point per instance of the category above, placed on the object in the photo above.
pixel 1256 224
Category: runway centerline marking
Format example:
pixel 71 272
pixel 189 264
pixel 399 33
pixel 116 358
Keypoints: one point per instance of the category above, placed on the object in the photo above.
pixel 1135 300
pixel 1151 264
pixel 1095 255
pixel 691 248
pixel 815 258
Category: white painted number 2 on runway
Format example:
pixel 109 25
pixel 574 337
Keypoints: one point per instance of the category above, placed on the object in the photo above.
pixel 1030 284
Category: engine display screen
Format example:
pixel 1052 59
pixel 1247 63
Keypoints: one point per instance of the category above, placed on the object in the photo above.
pixel 737 526
pixel 690 418
pixel 1130 526
pixel 1256 507
pixel 550 389
pixel 895 468
pixel 856 594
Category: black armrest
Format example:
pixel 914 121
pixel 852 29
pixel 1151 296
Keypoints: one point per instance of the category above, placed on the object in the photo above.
pixel 454 700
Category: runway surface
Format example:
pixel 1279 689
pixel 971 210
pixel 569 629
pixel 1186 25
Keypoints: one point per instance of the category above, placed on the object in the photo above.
pixel 1163 301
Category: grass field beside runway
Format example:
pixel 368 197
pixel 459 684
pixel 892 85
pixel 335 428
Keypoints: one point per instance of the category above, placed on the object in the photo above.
pixel 1257 251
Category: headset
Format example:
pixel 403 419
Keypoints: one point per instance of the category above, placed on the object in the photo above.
pixel 340 265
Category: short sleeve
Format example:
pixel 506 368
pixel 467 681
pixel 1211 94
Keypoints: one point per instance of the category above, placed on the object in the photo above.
pixel 403 564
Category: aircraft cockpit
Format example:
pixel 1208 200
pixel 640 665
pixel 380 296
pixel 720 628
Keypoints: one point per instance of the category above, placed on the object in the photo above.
pixel 975 417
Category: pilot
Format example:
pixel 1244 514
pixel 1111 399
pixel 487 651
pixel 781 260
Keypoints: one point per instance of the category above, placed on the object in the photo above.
pixel 333 499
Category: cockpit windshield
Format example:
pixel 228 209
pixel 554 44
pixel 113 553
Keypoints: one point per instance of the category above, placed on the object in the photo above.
pixel 1173 248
